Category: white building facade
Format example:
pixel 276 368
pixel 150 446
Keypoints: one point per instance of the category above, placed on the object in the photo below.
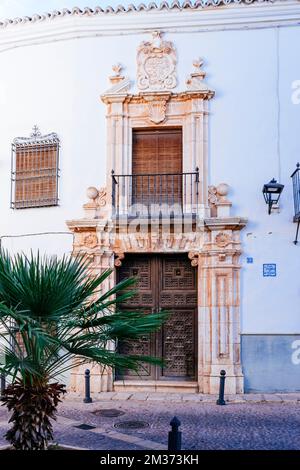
pixel 174 116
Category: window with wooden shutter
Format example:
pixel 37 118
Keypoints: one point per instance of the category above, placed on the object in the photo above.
pixel 35 171
pixel 157 166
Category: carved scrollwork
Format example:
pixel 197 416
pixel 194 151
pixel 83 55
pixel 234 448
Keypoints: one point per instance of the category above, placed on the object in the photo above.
pixel 212 195
pixel 194 257
pixel 119 256
pixel 102 197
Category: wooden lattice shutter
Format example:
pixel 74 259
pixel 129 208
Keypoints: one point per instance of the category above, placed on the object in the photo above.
pixel 35 172
pixel 159 153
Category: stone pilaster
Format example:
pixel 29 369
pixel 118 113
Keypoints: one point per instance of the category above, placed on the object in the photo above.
pixel 92 238
pixel 219 305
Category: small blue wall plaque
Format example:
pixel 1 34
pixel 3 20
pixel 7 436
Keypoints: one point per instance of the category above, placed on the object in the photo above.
pixel 250 260
pixel 269 270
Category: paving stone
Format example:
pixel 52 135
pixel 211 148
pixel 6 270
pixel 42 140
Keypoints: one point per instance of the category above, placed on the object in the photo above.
pixel 272 398
pixel 158 397
pixel 122 396
pixel 139 396
pixel 105 395
pixel 253 397
pixel 190 397
pixel 209 398
pixel 289 397
pixel 65 420
pixel 235 399
pixel 174 397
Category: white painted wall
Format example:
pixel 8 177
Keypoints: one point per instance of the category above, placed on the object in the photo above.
pixel 58 85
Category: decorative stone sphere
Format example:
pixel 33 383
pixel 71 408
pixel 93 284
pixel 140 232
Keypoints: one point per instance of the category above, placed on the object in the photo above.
pixel 92 192
pixel 222 189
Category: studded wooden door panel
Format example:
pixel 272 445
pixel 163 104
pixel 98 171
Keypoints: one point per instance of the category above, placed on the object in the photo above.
pixel 178 295
pixel 166 282
pixel 141 267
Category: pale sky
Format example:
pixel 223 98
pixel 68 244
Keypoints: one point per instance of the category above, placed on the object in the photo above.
pixel 14 8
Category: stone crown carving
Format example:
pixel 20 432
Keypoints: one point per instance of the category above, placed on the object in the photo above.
pixel 156 64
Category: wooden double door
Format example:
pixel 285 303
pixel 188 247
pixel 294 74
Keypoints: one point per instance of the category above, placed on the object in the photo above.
pixel 164 282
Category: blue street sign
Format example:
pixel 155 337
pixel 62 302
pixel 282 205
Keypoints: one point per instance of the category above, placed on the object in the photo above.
pixel 269 270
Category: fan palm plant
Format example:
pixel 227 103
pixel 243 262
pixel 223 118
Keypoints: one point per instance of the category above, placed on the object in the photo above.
pixel 54 317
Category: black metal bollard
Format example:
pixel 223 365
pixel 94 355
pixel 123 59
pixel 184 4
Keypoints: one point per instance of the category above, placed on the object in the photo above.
pixel 2 387
pixel 87 378
pixel 221 400
pixel 174 441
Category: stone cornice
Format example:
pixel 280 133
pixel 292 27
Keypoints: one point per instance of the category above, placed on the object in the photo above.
pixel 205 15
pixel 233 223
pixel 84 224
pixel 143 97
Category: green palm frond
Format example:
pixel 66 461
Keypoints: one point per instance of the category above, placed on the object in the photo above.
pixel 49 324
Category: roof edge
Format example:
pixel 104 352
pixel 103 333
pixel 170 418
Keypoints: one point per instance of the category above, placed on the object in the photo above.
pixel 159 6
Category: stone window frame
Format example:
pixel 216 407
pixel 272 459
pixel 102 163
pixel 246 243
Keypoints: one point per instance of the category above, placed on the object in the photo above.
pixel 187 110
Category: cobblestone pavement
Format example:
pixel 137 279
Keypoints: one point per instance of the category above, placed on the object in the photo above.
pixel 249 422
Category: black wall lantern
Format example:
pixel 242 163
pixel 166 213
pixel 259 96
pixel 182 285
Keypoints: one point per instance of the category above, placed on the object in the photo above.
pixel 272 192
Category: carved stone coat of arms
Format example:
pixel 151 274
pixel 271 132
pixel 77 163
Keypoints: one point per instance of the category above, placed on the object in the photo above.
pixel 156 63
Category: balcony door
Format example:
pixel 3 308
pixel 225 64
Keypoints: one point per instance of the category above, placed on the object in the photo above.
pixel 157 167
pixel 165 282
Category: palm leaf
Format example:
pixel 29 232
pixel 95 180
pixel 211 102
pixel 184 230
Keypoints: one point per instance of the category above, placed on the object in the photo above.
pixel 47 313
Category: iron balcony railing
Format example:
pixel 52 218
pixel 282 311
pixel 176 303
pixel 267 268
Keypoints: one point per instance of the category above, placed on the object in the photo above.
pixel 146 195
pixel 296 191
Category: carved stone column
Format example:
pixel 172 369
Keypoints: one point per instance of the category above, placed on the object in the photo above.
pixel 92 237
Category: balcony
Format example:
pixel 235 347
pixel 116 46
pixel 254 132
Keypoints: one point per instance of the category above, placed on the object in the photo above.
pixel 155 195
pixel 296 192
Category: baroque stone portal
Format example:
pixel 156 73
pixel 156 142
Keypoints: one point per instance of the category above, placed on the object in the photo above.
pixel 210 239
